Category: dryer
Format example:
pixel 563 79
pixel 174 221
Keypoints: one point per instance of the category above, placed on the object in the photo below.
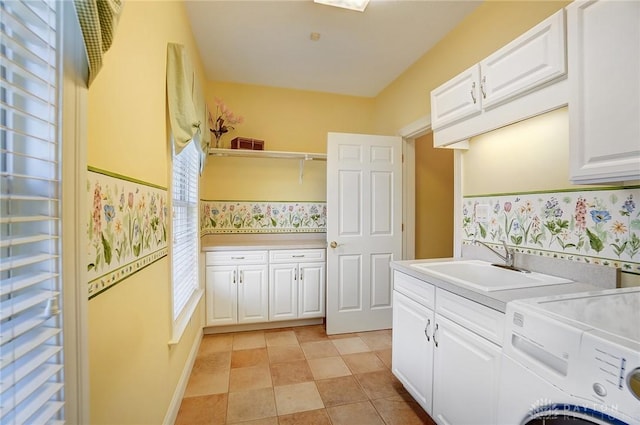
pixel 572 359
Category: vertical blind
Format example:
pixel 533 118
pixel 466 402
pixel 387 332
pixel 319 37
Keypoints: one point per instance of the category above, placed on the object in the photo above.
pixel 31 370
pixel 186 166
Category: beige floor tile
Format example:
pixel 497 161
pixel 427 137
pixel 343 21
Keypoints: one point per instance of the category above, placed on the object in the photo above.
pixel 337 391
pixel 215 343
pixel 328 367
pixel 317 349
pixel 385 356
pixel 285 354
pixel 363 362
pixel 248 358
pixel 311 333
pixel 290 373
pixel 350 345
pixel 248 340
pixel 342 336
pixel 402 411
pixel 297 398
pixel 203 410
pixel 207 383
pixel 380 384
pixel 362 413
pixel 249 378
pixel 265 421
pixel 250 405
pixel 312 417
pixel 279 339
pixel 213 362
pixel 377 340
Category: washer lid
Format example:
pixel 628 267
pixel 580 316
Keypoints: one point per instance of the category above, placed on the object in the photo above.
pixel 615 311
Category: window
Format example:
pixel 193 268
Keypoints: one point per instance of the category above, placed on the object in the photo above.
pixel 186 290
pixel 31 340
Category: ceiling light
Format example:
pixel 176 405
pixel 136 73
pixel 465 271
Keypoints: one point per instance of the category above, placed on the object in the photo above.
pixel 358 5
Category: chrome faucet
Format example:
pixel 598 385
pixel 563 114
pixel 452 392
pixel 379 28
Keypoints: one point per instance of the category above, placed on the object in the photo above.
pixel 508 258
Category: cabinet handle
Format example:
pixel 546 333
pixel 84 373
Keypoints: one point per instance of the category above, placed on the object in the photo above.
pixel 241 275
pixel 426 330
pixel 300 275
pixel 237 258
pixel 234 276
pixel 298 256
pixel 295 276
pixel 435 334
pixel 473 92
pixel 482 86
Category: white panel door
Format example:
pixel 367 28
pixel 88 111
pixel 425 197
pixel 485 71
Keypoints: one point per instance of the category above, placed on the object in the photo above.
pixel 253 294
pixel 283 291
pixel 311 290
pixel 364 229
pixel 222 297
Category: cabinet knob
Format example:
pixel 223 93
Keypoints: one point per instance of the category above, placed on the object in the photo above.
pixel 333 244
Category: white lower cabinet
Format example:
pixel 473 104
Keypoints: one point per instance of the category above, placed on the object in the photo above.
pixel 445 352
pixel 236 288
pixel 296 284
pixel 262 286
pixel 412 360
pixel 466 373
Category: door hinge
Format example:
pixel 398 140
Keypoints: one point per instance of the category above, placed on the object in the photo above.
pixel 403 227
pixel 403 158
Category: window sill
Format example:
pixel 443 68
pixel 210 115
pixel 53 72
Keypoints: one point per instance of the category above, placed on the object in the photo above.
pixel 180 324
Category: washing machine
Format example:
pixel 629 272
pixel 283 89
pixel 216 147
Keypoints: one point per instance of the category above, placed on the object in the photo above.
pixel 572 359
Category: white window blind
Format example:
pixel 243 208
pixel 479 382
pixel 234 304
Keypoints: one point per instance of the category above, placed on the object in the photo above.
pixel 31 363
pixel 186 166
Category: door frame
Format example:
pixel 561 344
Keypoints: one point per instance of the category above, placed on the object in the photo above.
pixel 409 134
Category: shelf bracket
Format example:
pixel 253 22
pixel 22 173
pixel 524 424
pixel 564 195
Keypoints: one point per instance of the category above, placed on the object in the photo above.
pixel 301 168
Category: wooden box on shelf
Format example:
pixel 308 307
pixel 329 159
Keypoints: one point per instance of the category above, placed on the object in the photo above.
pixel 246 143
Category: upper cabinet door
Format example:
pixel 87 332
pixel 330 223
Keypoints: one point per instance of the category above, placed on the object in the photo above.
pixel 457 98
pixel 604 90
pixel 536 57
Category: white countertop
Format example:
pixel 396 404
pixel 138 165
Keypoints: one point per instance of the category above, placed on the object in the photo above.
pixel 496 300
pixel 263 241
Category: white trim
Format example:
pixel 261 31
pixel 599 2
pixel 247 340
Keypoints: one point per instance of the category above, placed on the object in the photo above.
pixel 457 203
pixel 74 132
pixel 209 330
pixel 418 128
pixel 409 133
pixel 178 394
pixel 181 322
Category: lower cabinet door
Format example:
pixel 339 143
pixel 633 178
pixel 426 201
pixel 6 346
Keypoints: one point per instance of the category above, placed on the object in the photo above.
pixel 221 295
pixel 253 294
pixel 466 376
pixel 412 360
pixel 311 292
pixel 283 291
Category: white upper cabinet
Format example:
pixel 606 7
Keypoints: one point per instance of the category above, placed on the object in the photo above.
pixel 523 79
pixel 456 99
pixel 604 82
pixel 524 64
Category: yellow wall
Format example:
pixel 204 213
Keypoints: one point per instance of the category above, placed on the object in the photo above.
pixel 528 156
pixel 133 370
pixel 434 199
pixel 287 120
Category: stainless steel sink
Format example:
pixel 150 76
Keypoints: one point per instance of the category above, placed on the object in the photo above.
pixel 484 276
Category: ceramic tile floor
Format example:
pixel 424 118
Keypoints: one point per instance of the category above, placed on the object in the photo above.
pixel 297 376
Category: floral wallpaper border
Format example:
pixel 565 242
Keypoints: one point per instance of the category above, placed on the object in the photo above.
pixel 126 227
pixel 262 217
pixel 600 226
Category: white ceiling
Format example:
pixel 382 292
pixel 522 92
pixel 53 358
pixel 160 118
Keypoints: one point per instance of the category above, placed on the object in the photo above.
pixel 268 42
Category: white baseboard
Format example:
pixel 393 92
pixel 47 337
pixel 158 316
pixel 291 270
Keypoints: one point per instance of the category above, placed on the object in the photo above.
pixel 178 394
